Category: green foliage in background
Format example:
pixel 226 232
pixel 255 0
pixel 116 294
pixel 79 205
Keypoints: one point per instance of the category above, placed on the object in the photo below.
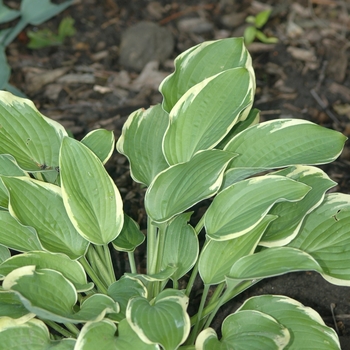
pixel 269 213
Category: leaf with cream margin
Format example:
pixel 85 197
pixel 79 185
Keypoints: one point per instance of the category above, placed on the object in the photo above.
pixel 163 322
pixel 101 142
pixel 70 269
pixel 306 327
pixel 291 214
pixel 279 143
pixel 200 62
pixel 141 142
pixel 183 185
pixel 92 200
pixel 246 329
pixel 240 207
pixel 40 205
pixel 102 335
pixel 49 295
pixel 32 334
pixel 32 139
pixel 197 125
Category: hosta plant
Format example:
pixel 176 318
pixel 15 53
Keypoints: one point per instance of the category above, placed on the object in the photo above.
pixel 268 213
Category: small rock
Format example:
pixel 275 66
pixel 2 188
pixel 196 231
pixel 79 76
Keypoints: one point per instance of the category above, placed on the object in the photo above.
pixel 195 25
pixel 145 42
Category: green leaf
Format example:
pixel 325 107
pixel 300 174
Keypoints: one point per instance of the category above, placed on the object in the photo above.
pixel 33 334
pixel 70 269
pixel 181 246
pixel 101 142
pixel 265 39
pixel 200 125
pixel 10 306
pixel 249 35
pixel 40 205
pixel 291 215
pixel 261 18
pixel 125 289
pixel 92 200
pixel 299 320
pixel 226 253
pixel 130 236
pixel 66 28
pixel 240 207
pixel 102 335
pixel 7 14
pixel 141 142
pixel 325 236
pixel 36 12
pixel 165 322
pixel 280 143
pixel 4 253
pixel 246 329
pixel 5 71
pixel 32 139
pixel 48 294
pixel 16 236
pixel 183 185
pixel 200 62
pixel 272 262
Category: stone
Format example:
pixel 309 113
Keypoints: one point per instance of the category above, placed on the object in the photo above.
pixel 145 42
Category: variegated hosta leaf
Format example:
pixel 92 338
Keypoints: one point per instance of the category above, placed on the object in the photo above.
pixel 181 246
pixel 48 294
pixel 124 289
pixel 32 139
pixel 325 236
pixel 40 205
pixel 226 253
pixel 240 207
pixel 17 236
pixel 130 236
pixel 8 167
pixel 70 269
pixel 291 215
pixel 30 334
pixel 183 185
pixel 101 142
pixel 200 62
pixel 11 306
pixel 141 142
pixel 280 143
pixel 197 125
pixel 102 335
pixel 165 322
pixel 305 325
pixel 4 253
pixel 247 329
pixel 92 200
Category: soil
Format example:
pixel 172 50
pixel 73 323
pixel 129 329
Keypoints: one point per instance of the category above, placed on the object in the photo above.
pixel 306 75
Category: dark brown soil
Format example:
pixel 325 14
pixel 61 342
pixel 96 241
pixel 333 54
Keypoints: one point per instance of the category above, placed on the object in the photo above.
pixel 305 75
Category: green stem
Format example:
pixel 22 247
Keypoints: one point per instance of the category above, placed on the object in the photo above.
pixel 59 329
pixel 96 256
pixel 160 253
pixel 99 284
pixel 131 256
pixel 151 247
pixel 74 329
pixel 213 299
pixel 228 295
pixel 192 337
pixel 109 264
pixel 192 279
pixel 175 284
pixel 199 225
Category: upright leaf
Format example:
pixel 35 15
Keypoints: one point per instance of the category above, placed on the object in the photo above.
pixel 92 200
pixel 200 62
pixel 183 185
pixel 141 143
pixel 40 205
pixel 196 124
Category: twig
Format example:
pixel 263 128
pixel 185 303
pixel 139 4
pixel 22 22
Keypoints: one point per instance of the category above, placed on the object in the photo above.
pixel 323 106
pixel 333 316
